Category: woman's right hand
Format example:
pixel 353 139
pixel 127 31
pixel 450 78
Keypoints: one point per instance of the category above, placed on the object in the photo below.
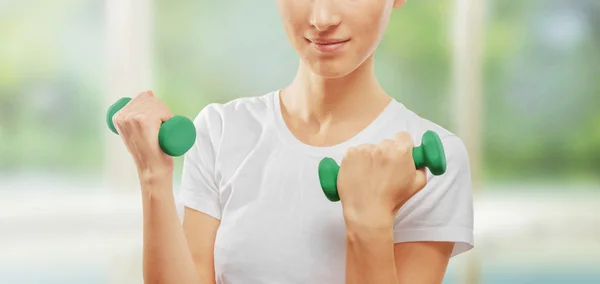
pixel 138 124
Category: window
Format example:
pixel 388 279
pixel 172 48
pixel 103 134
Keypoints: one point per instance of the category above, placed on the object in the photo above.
pixel 68 187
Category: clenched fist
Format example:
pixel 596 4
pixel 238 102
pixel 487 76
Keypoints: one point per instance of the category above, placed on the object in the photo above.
pixel 376 180
pixel 138 124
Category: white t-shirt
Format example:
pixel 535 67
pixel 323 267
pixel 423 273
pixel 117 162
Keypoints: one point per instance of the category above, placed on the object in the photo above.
pixel 249 171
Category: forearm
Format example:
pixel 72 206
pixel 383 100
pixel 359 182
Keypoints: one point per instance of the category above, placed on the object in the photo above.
pixel 370 254
pixel 166 256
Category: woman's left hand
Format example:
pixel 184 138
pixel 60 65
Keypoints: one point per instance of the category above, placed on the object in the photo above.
pixel 374 181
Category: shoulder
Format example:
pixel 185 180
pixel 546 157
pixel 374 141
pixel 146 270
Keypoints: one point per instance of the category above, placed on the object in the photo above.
pixel 239 107
pixel 234 125
pixel 237 112
pixel 457 178
pixel 443 210
pixel 454 147
pixel 418 125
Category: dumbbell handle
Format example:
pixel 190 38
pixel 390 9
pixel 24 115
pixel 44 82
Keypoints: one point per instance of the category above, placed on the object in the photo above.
pixel 175 137
pixel 429 154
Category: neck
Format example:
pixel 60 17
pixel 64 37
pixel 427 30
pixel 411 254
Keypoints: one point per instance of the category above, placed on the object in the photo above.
pixel 312 97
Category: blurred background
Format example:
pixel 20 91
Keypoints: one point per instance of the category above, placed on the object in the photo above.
pixel 517 80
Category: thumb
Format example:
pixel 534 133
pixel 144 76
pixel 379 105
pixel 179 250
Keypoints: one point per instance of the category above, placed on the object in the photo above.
pixel 165 114
pixel 420 180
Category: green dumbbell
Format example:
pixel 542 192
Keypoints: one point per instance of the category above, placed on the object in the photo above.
pixel 175 137
pixel 429 154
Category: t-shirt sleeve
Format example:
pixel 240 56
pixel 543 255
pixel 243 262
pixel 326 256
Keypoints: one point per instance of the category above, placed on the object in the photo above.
pixel 443 210
pixel 199 189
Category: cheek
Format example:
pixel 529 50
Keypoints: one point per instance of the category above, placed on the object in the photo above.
pixel 294 20
pixel 369 23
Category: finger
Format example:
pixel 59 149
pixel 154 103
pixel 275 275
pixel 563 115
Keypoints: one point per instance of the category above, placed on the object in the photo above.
pixel 139 99
pixel 385 149
pixel 387 143
pixel 404 139
pixel 370 149
pixel 164 113
pixel 133 106
pixel 141 103
pixel 145 95
pixel 360 150
pixel 154 108
pixel 116 119
pixel 420 180
pixel 367 146
pixel 120 119
pixel 128 118
pixel 403 144
pixel 159 108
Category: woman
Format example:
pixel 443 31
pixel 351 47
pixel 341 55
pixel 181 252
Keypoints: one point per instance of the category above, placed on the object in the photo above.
pixel 254 209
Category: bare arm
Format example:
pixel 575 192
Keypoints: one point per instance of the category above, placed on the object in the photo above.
pixel 422 262
pixel 200 231
pixel 168 256
pixel 370 254
pixel 372 257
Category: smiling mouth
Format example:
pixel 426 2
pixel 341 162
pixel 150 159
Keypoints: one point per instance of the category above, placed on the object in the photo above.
pixel 328 46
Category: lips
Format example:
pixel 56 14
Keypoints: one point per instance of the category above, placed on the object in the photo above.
pixel 328 45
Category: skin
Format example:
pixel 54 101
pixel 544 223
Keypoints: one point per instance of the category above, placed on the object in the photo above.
pixel 330 90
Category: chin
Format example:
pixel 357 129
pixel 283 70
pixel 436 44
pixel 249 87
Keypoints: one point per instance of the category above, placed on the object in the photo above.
pixel 330 69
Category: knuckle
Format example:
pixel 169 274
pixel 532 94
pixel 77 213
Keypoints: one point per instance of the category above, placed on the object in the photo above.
pixel 370 149
pixel 391 155
pixel 399 135
pixel 386 143
pixel 403 148
pixel 361 151
pixel 377 152
pixel 119 119
pixel 403 137
pixel 145 94
pixel 351 151
pixel 139 118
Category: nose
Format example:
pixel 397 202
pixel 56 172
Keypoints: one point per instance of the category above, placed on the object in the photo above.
pixel 324 15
